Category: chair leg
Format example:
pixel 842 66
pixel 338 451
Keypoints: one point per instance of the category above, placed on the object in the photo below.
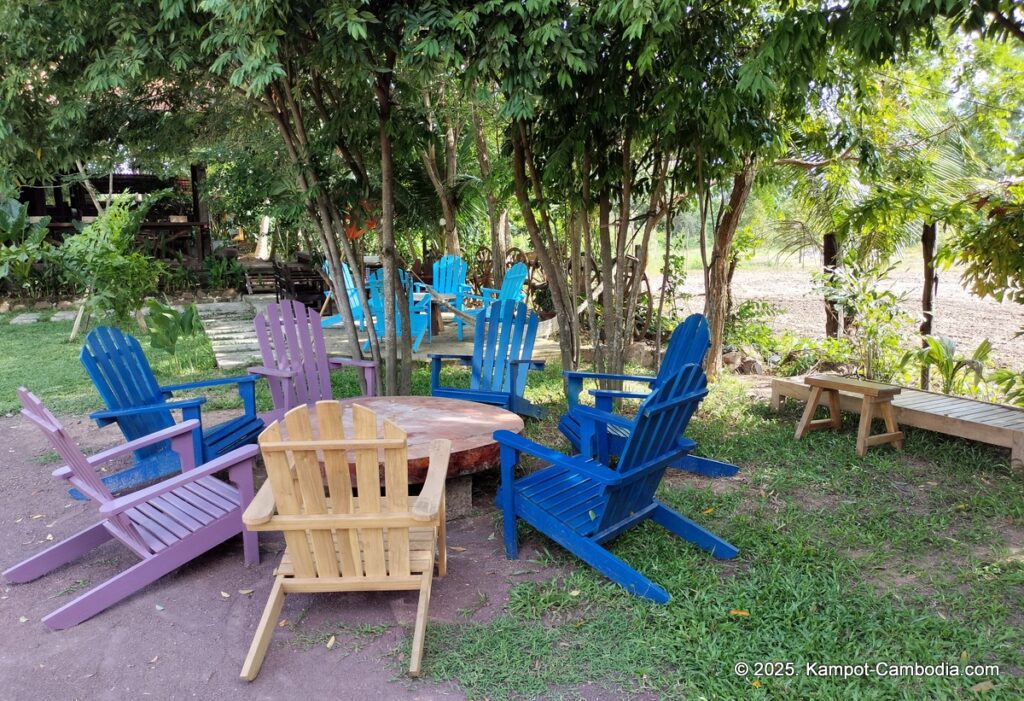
pixel 508 524
pixel 420 629
pixel 57 555
pixel 616 569
pixel 442 541
pixel 693 533
pixel 264 631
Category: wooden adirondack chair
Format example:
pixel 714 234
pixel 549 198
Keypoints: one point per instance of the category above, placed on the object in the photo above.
pixel 502 349
pixel 166 525
pixel 295 360
pixel 581 503
pixel 335 541
pixel 419 312
pixel 354 304
pixel 511 288
pixel 688 345
pixel 140 406
pixel 450 279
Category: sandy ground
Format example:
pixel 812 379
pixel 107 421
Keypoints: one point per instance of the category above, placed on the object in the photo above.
pixel 959 314
pixel 180 638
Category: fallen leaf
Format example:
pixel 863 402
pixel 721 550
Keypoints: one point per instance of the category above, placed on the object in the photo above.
pixel 23 619
pixel 738 612
pixel 49 536
pixel 225 595
pixel 756 683
pixel 50 525
pixel 159 607
pixel 330 643
pixel 283 623
pixel 574 592
pixel 983 686
pixel 89 675
pixel 37 516
pixel 155 658
pixel 457 549
pixel 592 514
pixel 20 519
pixel 709 511
pixel 963 656
pixel 490 537
pixel 246 592
pixel 960 507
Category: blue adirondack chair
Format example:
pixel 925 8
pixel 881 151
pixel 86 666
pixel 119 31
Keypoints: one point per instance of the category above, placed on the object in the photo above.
pixel 140 406
pixel 688 344
pixel 511 288
pixel 581 503
pixel 353 300
pixel 502 349
pixel 419 312
pixel 450 280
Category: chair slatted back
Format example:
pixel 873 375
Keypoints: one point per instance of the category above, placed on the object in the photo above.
pixel 291 337
pixel 507 334
pixel 449 275
pixel 653 443
pixel 350 289
pixel 83 475
pixel 122 375
pixel 512 283
pixel 687 345
pixel 292 451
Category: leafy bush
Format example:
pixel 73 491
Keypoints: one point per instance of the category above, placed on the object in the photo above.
pixel 224 273
pixel 167 325
pixel 953 370
pixel 22 244
pixel 799 355
pixel 747 325
pixel 880 322
pixel 103 261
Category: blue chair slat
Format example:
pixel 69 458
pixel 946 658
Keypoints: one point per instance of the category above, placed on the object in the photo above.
pixel 354 303
pixel 419 312
pixel 582 503
pixel 124 380
pixel 502 345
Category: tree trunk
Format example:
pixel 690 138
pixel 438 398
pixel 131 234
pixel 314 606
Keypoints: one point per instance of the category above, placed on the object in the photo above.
pixel 830 261
pixel 931 285
pixel 716 301
pixel 497 220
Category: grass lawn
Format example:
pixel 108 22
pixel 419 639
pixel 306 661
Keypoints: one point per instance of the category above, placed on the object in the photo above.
pixel 898 558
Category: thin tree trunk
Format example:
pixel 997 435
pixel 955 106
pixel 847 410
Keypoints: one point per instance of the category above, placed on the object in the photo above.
pixel 588 271
pixel 830 261
pixel 931 285
pixel 497 221
pixel 716 301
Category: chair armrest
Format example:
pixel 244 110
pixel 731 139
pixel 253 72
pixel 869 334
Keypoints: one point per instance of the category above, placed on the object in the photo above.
pixel 128 501
pixel 451 356
pixel 108 415
pixel 272 372
pixel 352 362
pixel 617 394
pixel 525 445
pixel 575 374
pixel 428 503
pixel 262 507
pixel 534 364
pixel 169 433
pixel 240 379
pixel 586 413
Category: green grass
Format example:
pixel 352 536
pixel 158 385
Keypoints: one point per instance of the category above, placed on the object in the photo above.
pixel 908 557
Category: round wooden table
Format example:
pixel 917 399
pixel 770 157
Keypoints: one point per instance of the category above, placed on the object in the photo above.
pixel 468 425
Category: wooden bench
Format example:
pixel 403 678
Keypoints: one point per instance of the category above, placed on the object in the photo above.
pixel 876 399
pixel 975 420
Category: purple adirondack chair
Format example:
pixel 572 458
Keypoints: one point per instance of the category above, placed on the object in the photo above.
pixel 295 360
pixel 166 525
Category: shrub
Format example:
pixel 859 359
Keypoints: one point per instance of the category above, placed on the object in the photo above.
pixel 22 245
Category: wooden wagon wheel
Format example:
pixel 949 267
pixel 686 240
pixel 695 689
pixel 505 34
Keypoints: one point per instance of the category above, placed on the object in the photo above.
pixel 514 255
pixel 482 268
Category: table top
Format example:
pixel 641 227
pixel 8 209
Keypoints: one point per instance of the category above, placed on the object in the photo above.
pixel 468 425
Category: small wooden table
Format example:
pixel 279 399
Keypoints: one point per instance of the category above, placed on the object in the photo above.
pixel 468 425
pixel 874 395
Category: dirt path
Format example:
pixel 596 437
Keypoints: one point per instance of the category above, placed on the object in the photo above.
pixel 960 315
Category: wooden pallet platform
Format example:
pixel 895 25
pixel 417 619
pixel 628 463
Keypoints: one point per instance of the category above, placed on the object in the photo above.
pixel 972 419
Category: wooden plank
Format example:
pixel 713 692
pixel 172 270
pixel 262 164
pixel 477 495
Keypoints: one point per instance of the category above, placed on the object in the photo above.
pixel 396 487
pixel 364 423
pixel 311 489
pixel 339 482
pixel 864 387
pixel 279 474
